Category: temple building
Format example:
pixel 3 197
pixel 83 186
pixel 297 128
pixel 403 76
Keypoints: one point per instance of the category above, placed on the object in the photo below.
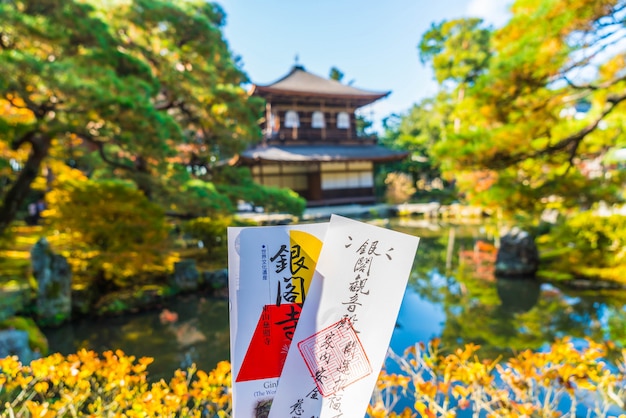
pixel 310 142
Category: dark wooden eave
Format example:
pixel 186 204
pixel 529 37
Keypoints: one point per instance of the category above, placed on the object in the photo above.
pixel 299 84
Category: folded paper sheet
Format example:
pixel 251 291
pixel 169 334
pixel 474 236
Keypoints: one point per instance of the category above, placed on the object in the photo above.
pixel 270 271
pixel 346 323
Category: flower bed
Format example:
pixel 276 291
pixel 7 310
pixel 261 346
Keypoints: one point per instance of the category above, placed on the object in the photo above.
pixel 531 384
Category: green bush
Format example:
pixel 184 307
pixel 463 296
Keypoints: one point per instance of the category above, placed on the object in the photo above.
pixel 115 234
pixel 202 198
pixel 237 183
pixel 211 231
pixel 400 188
pixel 589 246
pixel 282 200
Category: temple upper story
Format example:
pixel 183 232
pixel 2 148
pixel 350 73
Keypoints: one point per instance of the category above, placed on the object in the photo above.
pixel 303 108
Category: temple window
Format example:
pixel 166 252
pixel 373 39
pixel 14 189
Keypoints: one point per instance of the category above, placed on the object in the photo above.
pixel 318 120
pixel 291 119
pixel 274 122
pixel 343 120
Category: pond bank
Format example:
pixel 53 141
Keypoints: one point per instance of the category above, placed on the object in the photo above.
pixel 444 290
pixel 25 312
pixel 430 219
pixel 432 210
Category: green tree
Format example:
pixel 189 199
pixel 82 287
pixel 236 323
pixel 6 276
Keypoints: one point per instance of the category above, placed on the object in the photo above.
pixel 459 52
pixel 145 90
pixel 336 74
pixel 524 142
pixel 417 132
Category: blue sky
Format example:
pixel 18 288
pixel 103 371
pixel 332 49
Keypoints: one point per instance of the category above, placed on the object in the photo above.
pixel 374 43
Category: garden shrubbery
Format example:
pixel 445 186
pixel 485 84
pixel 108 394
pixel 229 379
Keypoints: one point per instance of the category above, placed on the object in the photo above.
pixel 559 382
pixel 212 232
pixel 237 183
pixel 400 188
pixel 589 245
pixel 114 384
pixel 531 384
pixel 115 235
pixel 209 234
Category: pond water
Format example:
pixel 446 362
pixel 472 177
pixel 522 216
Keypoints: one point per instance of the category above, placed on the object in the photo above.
pixel 452 295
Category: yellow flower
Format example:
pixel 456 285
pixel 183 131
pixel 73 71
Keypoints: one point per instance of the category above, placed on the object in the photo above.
pixel 41 387
pixel 38 410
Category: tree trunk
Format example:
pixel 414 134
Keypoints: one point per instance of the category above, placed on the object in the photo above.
pixel 21 187
pixel 143 177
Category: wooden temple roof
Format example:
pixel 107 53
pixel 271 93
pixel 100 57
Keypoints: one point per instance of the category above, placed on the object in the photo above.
pixel 300 82
pixel 320 153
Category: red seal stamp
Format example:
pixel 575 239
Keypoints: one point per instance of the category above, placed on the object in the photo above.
pixel 335 357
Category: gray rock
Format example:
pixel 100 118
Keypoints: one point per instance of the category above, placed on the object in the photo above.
pixel 14 342
pixel 217 279
pixel 186 276
pixel 54 279
pixel 518 255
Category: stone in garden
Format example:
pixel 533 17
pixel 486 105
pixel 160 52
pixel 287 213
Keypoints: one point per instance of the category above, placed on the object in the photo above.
pixel 186 276
pixel 54 279
pixel 14 342
pixel 517 255
pixel 217 282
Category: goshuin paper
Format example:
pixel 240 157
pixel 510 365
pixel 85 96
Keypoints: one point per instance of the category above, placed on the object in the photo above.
pixel 270 272
pixel 346 323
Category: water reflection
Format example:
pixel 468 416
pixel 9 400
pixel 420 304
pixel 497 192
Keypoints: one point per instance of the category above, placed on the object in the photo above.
pixel 194 329
pixel 504 316
pixel 517 295
pixel 451 295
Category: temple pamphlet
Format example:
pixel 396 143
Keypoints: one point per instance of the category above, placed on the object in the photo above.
pixel 270 272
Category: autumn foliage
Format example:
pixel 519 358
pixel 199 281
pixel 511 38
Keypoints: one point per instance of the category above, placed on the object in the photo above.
pixel 400 188
pixel 114 384
pixel 525 109
pixel 595 246
pixel 114 233
pixel 550 383
pixel 531 384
